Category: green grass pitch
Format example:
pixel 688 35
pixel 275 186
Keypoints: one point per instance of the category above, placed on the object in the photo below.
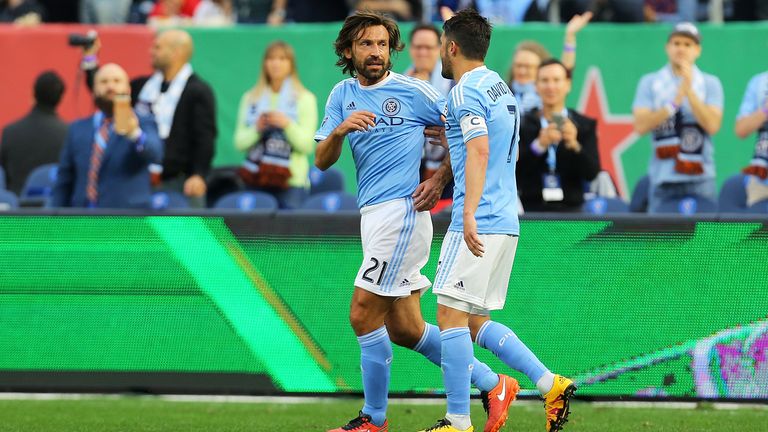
pixel 155 415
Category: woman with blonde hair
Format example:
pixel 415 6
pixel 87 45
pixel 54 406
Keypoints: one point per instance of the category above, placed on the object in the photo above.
pixel 276 125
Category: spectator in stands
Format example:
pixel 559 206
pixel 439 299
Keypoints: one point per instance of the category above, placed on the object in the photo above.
pixel 401 10
pixel 753 117
pixel 172 13
pixel 670 10
pixel 105 160
pixel 683 107
pixel 276 125
pixel 558 147
pixel 529 55
pixel 104 11
pixel 21 12
pixel 37 138
pixel 184 109
pixel 214 13
pixel 424 50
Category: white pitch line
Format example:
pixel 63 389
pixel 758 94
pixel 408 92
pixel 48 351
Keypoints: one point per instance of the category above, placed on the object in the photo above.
pixel 293 400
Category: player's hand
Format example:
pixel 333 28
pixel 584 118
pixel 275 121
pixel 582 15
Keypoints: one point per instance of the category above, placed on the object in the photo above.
pixel 436 135
pixel 277 119
pixel 577 23
pixel 357 121
pixel 427 194
pixel 569 136
pixel 471 238
pixel 194 186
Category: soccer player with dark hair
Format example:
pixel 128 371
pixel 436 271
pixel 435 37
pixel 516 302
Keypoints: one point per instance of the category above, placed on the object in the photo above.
pixel 482 128
pixel 383 115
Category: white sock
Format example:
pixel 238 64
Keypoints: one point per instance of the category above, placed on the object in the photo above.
pixel 545 383
pixel 460 422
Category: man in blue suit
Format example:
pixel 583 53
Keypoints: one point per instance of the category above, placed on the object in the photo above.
pixel 105 160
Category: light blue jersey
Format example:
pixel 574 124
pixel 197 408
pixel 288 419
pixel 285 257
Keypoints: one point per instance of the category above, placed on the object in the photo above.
pixel 387 156
pixel 481 93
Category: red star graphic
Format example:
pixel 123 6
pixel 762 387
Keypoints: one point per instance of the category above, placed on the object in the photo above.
pixel 615 132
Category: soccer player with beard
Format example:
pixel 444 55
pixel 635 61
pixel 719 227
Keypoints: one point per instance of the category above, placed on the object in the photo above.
pixel 383 115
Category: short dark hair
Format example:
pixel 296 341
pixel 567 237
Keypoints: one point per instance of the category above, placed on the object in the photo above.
pixel 554 61
pixel 49 87
pixel 471 32
pixel 353 26
pixel 427 27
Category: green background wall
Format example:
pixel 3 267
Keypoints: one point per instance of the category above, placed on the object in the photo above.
pixel 230 59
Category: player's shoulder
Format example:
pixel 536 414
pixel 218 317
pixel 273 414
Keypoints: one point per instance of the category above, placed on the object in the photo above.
pixel 339 89
pixel 471 87
pixel 414 84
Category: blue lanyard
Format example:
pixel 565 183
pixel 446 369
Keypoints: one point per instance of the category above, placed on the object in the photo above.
pixel 552 158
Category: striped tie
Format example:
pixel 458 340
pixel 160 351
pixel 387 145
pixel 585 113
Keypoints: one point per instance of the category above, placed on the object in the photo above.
pixel 92 189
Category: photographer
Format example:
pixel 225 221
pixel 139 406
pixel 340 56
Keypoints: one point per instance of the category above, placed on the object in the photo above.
pixel 184 109
pixel 105 160
pixel 558 147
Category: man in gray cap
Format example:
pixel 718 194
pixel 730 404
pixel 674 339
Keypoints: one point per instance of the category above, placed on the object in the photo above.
pixel 683 107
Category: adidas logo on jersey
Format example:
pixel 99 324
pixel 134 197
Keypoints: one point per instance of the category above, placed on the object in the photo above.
pixel 404 283
pixel 459 285
pixel 351 106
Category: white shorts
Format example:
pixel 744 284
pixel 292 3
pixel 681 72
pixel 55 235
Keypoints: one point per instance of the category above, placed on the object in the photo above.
pixel 471 284
pixel 396 242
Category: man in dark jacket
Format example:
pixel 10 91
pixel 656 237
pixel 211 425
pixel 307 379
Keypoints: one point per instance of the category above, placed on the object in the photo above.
pixel 558 147
pixel 37 138
pixel 184 108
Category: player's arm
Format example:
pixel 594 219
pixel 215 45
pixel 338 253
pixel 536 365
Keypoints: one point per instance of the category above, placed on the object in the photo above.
pixel 476 165
pixel 428 192
pixel 329 150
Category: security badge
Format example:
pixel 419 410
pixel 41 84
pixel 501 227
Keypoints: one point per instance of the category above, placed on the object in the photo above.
pixel 552 190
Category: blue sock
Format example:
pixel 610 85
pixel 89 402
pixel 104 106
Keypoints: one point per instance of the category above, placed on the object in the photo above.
pixel 429 346
pixel 457 356
pixel 375 357
pixel 505 344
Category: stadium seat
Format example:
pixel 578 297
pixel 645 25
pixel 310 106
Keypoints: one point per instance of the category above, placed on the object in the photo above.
pixel 331 202
pixel 167 200
pixel 639 202
pixel 688 206
pixel 600 205
pixel 222 181
pixel 760 207
pixel 247 201
pixel 330 180
pixel 8 200
pixel 39 185
pixel 2 178
pixel 733 195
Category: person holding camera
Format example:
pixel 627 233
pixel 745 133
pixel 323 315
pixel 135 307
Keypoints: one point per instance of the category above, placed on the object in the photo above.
pixel 558 147
pixel 184 109
pixel 276 125
pixel 105 159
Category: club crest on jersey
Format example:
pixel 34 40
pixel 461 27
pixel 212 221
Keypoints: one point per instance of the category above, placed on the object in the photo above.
pixel 391 107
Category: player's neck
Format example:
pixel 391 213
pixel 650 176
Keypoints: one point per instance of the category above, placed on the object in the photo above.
pixel 548 110
pixel 365 82
pixel 462 66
